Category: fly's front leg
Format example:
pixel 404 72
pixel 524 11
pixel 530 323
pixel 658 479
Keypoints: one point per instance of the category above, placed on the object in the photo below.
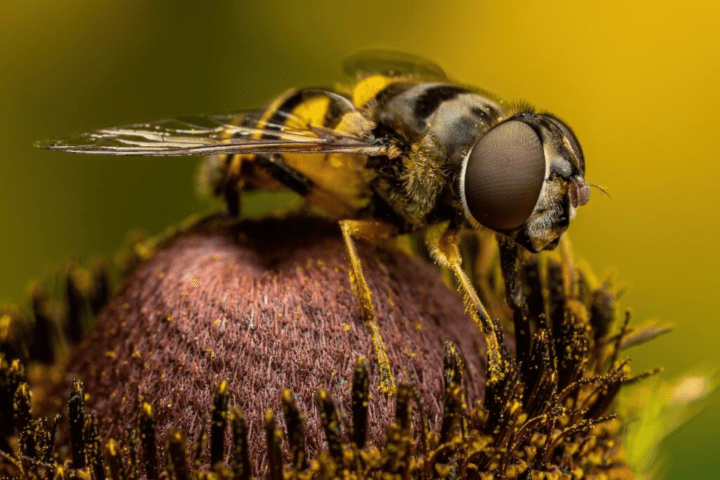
pixel 442 242
pixel 515 297
pixel 368 229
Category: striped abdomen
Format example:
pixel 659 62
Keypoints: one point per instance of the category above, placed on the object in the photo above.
pixel 338 183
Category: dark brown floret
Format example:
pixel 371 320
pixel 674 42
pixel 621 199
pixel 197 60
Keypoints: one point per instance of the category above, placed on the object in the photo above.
pixel 267 307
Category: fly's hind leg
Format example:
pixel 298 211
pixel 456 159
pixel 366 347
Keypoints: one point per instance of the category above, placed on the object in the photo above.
pixel 442 242
pixel 368 229
pixel 233 184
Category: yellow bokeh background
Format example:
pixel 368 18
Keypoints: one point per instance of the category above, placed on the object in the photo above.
pixel 638 81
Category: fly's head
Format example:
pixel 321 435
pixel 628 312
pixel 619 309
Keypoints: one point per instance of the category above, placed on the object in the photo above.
pixel 525 178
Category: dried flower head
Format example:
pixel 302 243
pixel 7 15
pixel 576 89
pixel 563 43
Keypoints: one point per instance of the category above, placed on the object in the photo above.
pixel 234 350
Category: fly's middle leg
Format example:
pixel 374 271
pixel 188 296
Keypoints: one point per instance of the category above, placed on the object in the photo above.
pixel 443 245
pixel 232 186
pixel 368 229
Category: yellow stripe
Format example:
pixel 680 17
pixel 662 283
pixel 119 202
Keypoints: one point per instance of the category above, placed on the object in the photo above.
pixel 339 182
pixel 369 87
pixel 313 110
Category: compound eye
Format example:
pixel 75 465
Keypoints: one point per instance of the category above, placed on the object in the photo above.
pixel 504 175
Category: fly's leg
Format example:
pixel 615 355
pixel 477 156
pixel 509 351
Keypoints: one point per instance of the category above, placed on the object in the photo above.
pixel 509 254
pixel 243 169
pixel 232 186
pixel 442 242
pixel 368 229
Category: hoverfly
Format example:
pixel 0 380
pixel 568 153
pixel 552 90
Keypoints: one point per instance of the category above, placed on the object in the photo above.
pixel 404 149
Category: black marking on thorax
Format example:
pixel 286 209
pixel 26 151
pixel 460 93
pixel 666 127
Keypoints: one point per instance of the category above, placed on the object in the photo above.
pixel 429 101
pixel 388 93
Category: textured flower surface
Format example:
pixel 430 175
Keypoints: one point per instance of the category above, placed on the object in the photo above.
pixel 234 349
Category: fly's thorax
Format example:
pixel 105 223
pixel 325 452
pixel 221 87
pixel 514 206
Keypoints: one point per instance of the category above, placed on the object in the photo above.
pixel 437 123
pixel 452 115
pixel 525 178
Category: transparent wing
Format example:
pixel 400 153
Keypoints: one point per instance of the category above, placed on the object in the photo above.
pixel 391 63
pixel 215 134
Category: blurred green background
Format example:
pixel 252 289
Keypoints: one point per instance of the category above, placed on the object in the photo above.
pixel 639 83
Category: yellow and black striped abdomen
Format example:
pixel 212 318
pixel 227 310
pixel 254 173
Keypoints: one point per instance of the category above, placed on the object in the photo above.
pixel 336 182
